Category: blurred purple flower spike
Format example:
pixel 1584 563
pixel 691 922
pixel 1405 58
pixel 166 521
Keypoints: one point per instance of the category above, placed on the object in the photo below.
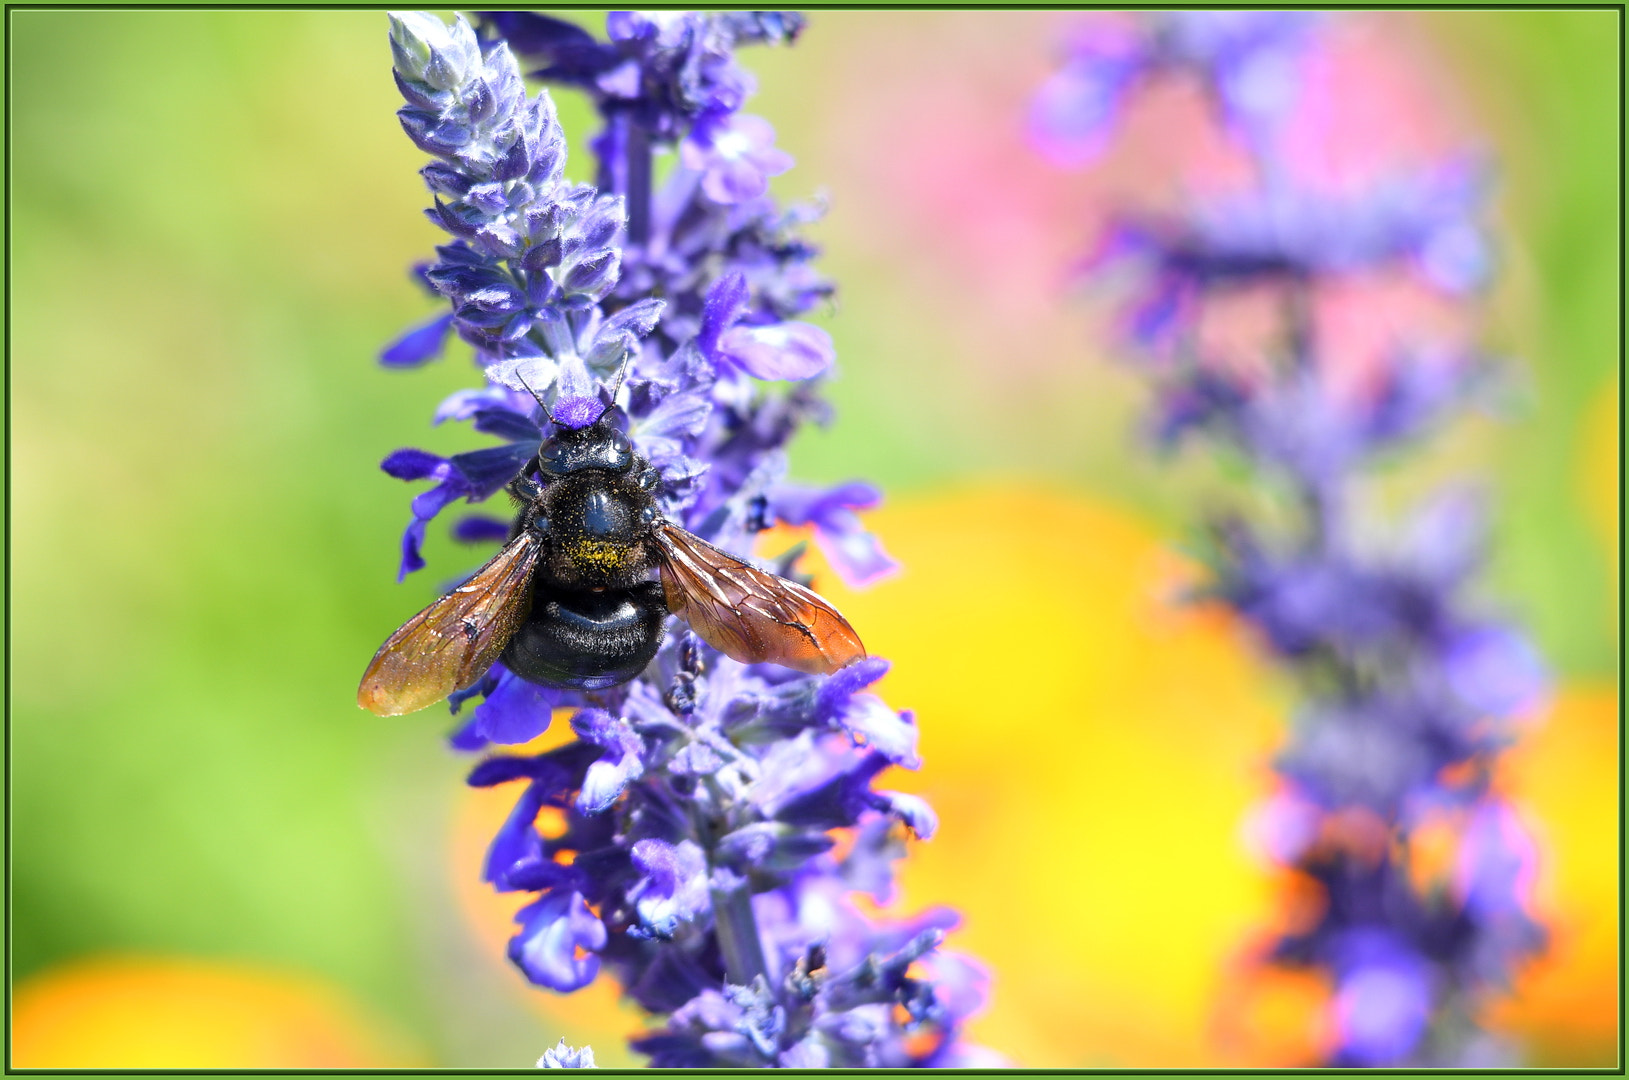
pixel 1247 59
pixel 1409 687
pixel 1495 671
pixel 1250 60
pixel 699 803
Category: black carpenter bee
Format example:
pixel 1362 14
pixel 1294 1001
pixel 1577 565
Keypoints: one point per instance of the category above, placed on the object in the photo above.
pixel 570 602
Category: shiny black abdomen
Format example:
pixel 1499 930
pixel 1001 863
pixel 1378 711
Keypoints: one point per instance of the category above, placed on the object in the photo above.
pixel 588 640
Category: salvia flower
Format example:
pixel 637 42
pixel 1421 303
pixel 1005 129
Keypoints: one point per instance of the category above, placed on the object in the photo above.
pixel 701 836
pixel 1410 687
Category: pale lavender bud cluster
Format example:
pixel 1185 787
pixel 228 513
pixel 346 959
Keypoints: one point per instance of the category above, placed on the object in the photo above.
pixel 562 1056
pixel 534 255
pixel 1410 685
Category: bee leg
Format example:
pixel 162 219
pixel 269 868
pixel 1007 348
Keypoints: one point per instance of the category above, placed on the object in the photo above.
pixel 524 489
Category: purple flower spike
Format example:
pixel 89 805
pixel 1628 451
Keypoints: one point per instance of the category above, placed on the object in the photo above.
pixel 772 351
pixel 467 404
pixel 698 799
pixel 1249 58
pixel 725 303
pixel 474 476
pixel 478 529
pixel 839 689
pixel 517 844
pixel 1252 58
pixel 608 777
pixel 1495 671
pixel 893 734
pixel 912 810
pixel 1498 862
pixel 418 465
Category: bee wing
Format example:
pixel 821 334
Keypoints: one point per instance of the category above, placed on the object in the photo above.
pixel 748 614
pixel 451 643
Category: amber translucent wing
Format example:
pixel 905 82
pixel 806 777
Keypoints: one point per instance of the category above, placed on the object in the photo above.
pixel 749 614
pixel 451 643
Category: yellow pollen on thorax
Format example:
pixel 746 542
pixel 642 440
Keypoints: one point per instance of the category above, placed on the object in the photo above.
pixel 600 554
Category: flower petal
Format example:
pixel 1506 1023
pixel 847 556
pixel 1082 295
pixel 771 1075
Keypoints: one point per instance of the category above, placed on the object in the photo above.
pixel 419 345
pixel 552 933
pixel 789 350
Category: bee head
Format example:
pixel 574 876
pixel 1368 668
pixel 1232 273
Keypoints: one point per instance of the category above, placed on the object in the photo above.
pixel 600 445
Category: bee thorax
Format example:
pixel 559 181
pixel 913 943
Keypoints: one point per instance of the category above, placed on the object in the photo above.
pixel 605 517
pixel 598 528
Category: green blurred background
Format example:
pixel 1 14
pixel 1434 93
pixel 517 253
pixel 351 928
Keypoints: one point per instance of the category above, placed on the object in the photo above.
pixel 211 221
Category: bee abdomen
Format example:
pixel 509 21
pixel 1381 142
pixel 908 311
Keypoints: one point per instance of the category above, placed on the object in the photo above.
pixel 588 640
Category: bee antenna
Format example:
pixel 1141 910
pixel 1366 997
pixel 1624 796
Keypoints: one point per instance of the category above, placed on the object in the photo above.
pixel 622 373
pixel 529 390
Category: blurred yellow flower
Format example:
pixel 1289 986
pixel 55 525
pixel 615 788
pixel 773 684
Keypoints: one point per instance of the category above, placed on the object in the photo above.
pixel 1092 748
pixel 1563 778
pixel 148 1012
